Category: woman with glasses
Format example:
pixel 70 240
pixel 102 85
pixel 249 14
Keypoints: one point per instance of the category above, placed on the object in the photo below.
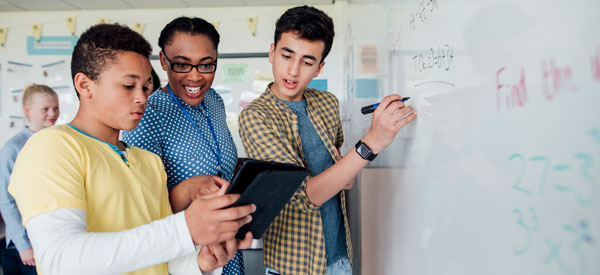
pixel 184 123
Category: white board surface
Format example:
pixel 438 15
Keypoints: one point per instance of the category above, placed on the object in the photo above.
pixel 500 173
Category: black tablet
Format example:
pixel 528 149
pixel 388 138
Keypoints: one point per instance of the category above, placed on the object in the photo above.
pixel 269 185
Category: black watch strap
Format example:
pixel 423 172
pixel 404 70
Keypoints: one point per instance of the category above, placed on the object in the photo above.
pixel 364 151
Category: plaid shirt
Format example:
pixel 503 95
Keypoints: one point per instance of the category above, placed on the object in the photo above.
pixel 294 242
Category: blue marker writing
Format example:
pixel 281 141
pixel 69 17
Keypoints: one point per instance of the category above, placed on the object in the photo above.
pixel 371 108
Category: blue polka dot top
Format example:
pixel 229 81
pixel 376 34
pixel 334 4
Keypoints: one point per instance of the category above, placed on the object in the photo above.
pixel 166 131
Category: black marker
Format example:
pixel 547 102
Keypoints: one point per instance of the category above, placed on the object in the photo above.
pixel 371 108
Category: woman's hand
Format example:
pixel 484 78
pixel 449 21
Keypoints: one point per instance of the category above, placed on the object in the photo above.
pixel 190 189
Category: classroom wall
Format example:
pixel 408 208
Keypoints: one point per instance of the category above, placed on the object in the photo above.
pixel 235 38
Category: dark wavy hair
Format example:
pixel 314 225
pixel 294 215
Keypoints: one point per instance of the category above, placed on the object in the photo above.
pixel 310 23
pixel 189 25
pixel 100 45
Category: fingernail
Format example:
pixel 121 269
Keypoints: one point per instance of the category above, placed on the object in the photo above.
pixel 248 219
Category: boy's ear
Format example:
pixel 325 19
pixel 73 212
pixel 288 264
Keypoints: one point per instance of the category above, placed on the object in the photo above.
pixel 271 53
pixel 83 85
pixel 320 68
pixel 163 64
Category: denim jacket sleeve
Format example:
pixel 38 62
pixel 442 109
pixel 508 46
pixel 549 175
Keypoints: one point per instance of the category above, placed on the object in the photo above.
pixel 15 231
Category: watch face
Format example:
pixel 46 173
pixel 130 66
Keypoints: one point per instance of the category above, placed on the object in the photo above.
pixel 363 151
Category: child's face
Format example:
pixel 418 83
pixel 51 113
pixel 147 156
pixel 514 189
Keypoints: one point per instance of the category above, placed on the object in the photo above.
pixel 296 62
pixel 120 93
pixel 42 111
pixel 189 49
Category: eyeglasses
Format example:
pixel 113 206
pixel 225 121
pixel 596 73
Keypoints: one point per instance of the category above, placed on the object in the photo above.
pixel 207 68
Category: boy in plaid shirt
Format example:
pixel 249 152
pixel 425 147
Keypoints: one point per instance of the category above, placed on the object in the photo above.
pixel 290 123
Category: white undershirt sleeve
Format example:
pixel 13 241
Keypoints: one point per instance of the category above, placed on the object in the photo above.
pixel 62 245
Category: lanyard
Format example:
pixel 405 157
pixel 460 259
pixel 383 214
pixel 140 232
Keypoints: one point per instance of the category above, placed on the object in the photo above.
pixel 217 153
pixel 112 146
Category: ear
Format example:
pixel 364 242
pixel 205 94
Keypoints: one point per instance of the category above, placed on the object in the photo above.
pixel 271 53
pixel 84 85
pixel 320 69
pixel 26 110
pixel 163 64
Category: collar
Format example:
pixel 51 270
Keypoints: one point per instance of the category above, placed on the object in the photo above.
pixel 28 132
pixel 270 96
pixel 116 149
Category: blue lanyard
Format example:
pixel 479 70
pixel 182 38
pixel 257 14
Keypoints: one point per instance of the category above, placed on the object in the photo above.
pixel 112 146
pixel 217 153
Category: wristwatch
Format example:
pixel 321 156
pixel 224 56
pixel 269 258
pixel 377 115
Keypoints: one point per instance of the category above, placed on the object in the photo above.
pixel 364 151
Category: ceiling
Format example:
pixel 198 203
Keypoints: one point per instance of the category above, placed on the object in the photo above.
pixel 51 5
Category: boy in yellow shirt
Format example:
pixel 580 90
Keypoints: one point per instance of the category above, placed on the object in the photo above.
pixel 93 204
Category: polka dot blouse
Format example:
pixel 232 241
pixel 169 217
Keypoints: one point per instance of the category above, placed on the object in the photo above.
pixel 167 132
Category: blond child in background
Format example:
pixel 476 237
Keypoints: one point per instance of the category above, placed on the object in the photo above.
pixel 40 105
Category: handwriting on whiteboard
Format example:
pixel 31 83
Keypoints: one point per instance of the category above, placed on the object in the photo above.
pixel 565 249
pixel 440 58
pixel 510 95
pixel 557 253
pixel 570 176
pixel 556 79
pixel 425 8
pixel 394 39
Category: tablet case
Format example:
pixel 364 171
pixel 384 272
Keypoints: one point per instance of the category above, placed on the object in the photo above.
pixel 269 185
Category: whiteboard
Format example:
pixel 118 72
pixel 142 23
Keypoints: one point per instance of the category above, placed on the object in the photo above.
pixel 500 173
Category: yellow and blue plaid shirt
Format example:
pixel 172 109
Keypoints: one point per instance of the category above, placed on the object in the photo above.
pixel 294 243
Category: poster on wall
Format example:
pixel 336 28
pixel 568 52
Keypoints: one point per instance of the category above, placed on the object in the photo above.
pixel 51 45
pixel 19 69
pixel 16 122
pixel 56 72
pixel 235 73
pixel 319 84
pixel 17 75
pixel 368 59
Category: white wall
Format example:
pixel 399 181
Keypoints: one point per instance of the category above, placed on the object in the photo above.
pixel 235 38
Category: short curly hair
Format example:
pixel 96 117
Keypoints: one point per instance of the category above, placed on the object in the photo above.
pixel 100 44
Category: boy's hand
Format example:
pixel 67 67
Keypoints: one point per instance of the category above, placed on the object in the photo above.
pixel 188 190
pixel 215 255
pixel 209 222
pixel 387 122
